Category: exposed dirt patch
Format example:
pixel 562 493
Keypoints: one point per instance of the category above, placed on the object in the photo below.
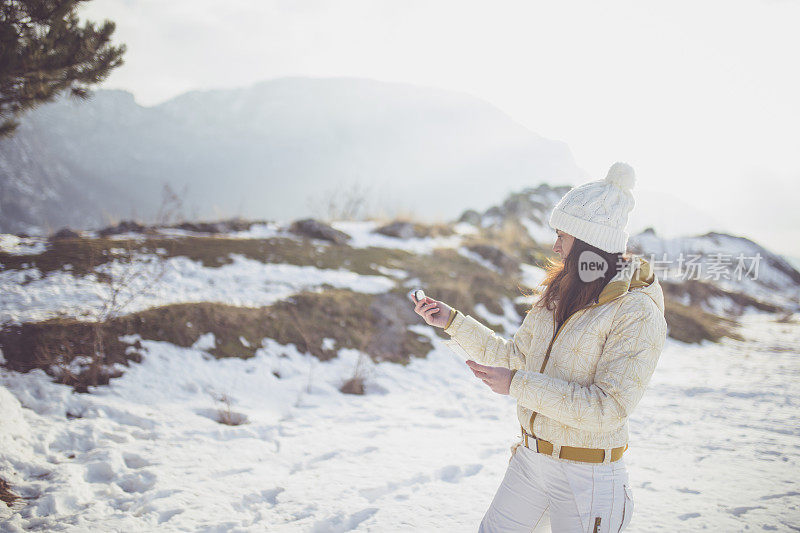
pixel 700 292
pixel 693 325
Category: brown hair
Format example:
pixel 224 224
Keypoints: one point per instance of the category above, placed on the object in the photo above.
pixel 564 288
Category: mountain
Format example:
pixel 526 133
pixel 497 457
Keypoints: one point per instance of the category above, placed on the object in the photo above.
pixel 277 149
pixel 731 272
pixel 732 263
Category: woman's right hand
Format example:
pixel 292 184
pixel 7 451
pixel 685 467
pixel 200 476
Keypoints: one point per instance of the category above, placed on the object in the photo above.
pixel 434 312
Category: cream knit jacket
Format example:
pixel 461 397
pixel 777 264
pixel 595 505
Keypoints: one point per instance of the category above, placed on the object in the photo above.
pixel 578 385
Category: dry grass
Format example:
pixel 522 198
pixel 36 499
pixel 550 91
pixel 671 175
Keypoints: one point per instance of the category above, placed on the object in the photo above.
pixel 225 414
pixel 304 320
pixel 700 292
pixel 693 325
pixel 514 240
pixel 6 495
pixel 354 385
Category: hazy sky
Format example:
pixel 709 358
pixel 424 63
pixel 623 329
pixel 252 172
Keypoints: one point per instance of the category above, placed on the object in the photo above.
pixel 700 97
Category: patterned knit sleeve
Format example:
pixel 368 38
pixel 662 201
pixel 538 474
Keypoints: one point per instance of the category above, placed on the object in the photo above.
pixel 472 340
pixel 629 359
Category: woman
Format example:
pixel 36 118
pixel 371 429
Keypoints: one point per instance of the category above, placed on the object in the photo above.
pixel 578 365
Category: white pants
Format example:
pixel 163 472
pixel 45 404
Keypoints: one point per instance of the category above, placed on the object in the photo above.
pixel 579 497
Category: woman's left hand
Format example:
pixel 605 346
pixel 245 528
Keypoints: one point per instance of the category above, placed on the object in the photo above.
pixel 497 377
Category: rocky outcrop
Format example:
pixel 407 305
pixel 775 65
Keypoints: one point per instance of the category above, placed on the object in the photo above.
pixel 309 227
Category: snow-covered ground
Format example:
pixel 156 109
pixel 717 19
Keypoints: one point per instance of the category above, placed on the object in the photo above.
pixel 714 443
pixel 30 296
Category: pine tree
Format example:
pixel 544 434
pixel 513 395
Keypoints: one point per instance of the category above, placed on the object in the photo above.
pixel 44 51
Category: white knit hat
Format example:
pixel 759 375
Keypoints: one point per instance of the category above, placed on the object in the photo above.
pixel 597 212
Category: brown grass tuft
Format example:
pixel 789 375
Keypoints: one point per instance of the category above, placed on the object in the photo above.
pixel 6 495
pixel 354 385
pixel 693 325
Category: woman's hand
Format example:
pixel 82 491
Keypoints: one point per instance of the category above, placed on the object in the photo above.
pixel 497 377
pixel 434 312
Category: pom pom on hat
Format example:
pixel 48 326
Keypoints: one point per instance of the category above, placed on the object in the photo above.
pixel 621 175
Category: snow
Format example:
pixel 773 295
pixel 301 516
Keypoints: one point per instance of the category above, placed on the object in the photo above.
pixel 11 244
pixel 542 234
pixel 713 442
pixel 477 258
pixel 363 237
pixel 396 273
pixel 328 343
pixel 464 228
pixel 206 341
pixel 532 275
pixel 244 282
pixel 509 320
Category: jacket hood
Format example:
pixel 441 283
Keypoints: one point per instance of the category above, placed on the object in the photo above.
pixel 636 274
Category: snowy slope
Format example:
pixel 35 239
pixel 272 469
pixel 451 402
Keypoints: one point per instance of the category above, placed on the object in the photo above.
pixel 712 443
pixel 763 275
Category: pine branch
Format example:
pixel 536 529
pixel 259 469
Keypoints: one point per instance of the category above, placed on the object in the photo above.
pixel 44 51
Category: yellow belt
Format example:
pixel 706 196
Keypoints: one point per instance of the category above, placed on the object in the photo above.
pixel 585 455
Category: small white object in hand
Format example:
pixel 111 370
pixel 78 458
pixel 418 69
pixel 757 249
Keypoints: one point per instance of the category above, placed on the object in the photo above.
pixel 417 294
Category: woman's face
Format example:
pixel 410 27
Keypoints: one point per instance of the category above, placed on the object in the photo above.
pixel 563 243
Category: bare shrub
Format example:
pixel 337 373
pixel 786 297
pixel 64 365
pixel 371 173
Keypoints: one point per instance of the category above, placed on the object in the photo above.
pixel 171 209
pixel 224 413
pixel 348 202
pixel 130 276
pixel 355 384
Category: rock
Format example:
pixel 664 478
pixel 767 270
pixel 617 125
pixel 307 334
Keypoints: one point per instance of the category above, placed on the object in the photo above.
pixel 470 216
pixel 123 227
pixel 200 227
pixel 308 227
pixel 222 226
pixel 497 257
pixel 392 315
pixel 65 233
pixel 399 229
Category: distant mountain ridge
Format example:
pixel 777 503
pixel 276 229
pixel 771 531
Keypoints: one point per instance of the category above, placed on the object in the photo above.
pixel 266 151
pixel 766 279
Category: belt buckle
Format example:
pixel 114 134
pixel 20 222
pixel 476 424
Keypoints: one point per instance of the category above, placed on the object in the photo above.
pixel 607 455
pixel 556 453
pixel 535 441
pixel 526 439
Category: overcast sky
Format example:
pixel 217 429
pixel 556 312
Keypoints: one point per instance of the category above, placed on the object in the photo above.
pixel 700 97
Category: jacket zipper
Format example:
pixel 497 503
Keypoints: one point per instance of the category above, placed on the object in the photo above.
pixel 550 347
pixel 555 335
